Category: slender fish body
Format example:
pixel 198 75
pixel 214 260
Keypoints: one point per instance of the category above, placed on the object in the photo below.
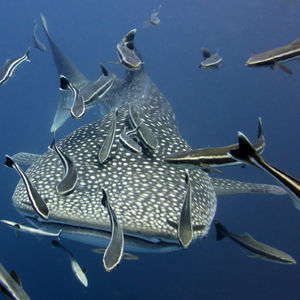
pixel 259 249
pixel 38 204
pixel 10 65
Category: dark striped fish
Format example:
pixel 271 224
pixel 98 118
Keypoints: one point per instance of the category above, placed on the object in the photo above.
pixel 10 65
pixel 211 61
pixel 114 251
pixel 11 286
pixel 275 56
pixel 259 249
pixel 77 270
pixel 128 142
pixel 207 158
pixel 70 177
pixel 247 153
pixel 38 204
pixel 126 52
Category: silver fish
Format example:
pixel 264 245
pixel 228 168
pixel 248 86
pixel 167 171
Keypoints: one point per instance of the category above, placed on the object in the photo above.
pixel 259 249
pixel 274 57
pixel 144 190
pixel 212 157
pixel 69 181
pixel 31 230
pixel 211 61
pixel 37 43
pixel 247 153
pixel 77 270
pixel 127 53
pixel 10 285
pixel 154 19
pixel 108 142
pixel 38 204
pixel 114 251
pixel 78 105
pixel 10 65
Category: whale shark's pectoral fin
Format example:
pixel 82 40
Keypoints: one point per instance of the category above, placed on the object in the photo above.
pixel 228 187
pixel 62 114
pixel 26 159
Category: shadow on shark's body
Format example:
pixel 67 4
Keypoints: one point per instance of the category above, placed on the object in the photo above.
pixel 145 192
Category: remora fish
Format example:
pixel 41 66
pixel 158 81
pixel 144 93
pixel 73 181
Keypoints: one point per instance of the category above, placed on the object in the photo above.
pixel 69 181
pixel 128 142
pixel 38 204
pixel 145 191
pixel 275 56
pixel 10 285
pixel 77 270
pixel 37 43
pixel 126 52
pixel 78 105
pixel 31 230
pixel 247 153
pixel 211 61
pixel 114 251
pixel 212 157
pixel 10 65
pixel 259 249
pixel 154 19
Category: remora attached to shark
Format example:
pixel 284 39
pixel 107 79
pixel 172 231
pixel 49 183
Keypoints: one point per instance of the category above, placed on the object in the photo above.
pixel 144 191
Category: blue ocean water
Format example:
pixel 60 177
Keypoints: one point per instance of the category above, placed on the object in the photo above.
pixel 210 106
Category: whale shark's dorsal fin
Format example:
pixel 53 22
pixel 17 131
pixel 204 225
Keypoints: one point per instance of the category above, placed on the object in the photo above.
pixel 66 67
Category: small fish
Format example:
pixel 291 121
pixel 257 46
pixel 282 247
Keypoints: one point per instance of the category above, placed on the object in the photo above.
pixel 259 249
pixel 126 52
pixel 78 106
pixel 31 230
pixel 38 204
pixel 247 153
pixel 37 43
pixel 211 61
pixel 185 227
pixel 69 181
pixel 207 158
pixel 128 142
pixel 146 135
pixel 127 256
pixel 154 19
pixel 77 270
pixel 275 56
pixel 108 142
pixel 98 88
pixel 114 251
pixel 10 65
pixel 10 285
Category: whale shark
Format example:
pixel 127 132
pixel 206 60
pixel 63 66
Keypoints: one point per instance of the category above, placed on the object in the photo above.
pixel 145 192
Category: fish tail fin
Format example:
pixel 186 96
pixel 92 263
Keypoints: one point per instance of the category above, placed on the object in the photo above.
pixel 104 70
pixel 245 150
pixel 9 162
pixel 27 54
pixel 104 198
pixel 64 83
pixel 221 231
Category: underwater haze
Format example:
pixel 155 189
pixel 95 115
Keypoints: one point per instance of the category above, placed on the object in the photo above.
pixel 210 107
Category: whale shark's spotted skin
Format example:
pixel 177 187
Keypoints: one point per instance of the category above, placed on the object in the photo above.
pixel 143 190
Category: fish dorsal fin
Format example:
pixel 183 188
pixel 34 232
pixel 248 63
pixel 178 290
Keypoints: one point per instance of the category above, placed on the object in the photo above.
pixel 284 68
pixel 206 53
pixel 172 224
pixel 198 227
pixel 84 270
pixel 15 277
pixel 104 70
pixel 296 41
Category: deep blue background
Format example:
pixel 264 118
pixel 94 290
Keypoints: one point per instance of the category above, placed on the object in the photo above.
pixel 211 106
